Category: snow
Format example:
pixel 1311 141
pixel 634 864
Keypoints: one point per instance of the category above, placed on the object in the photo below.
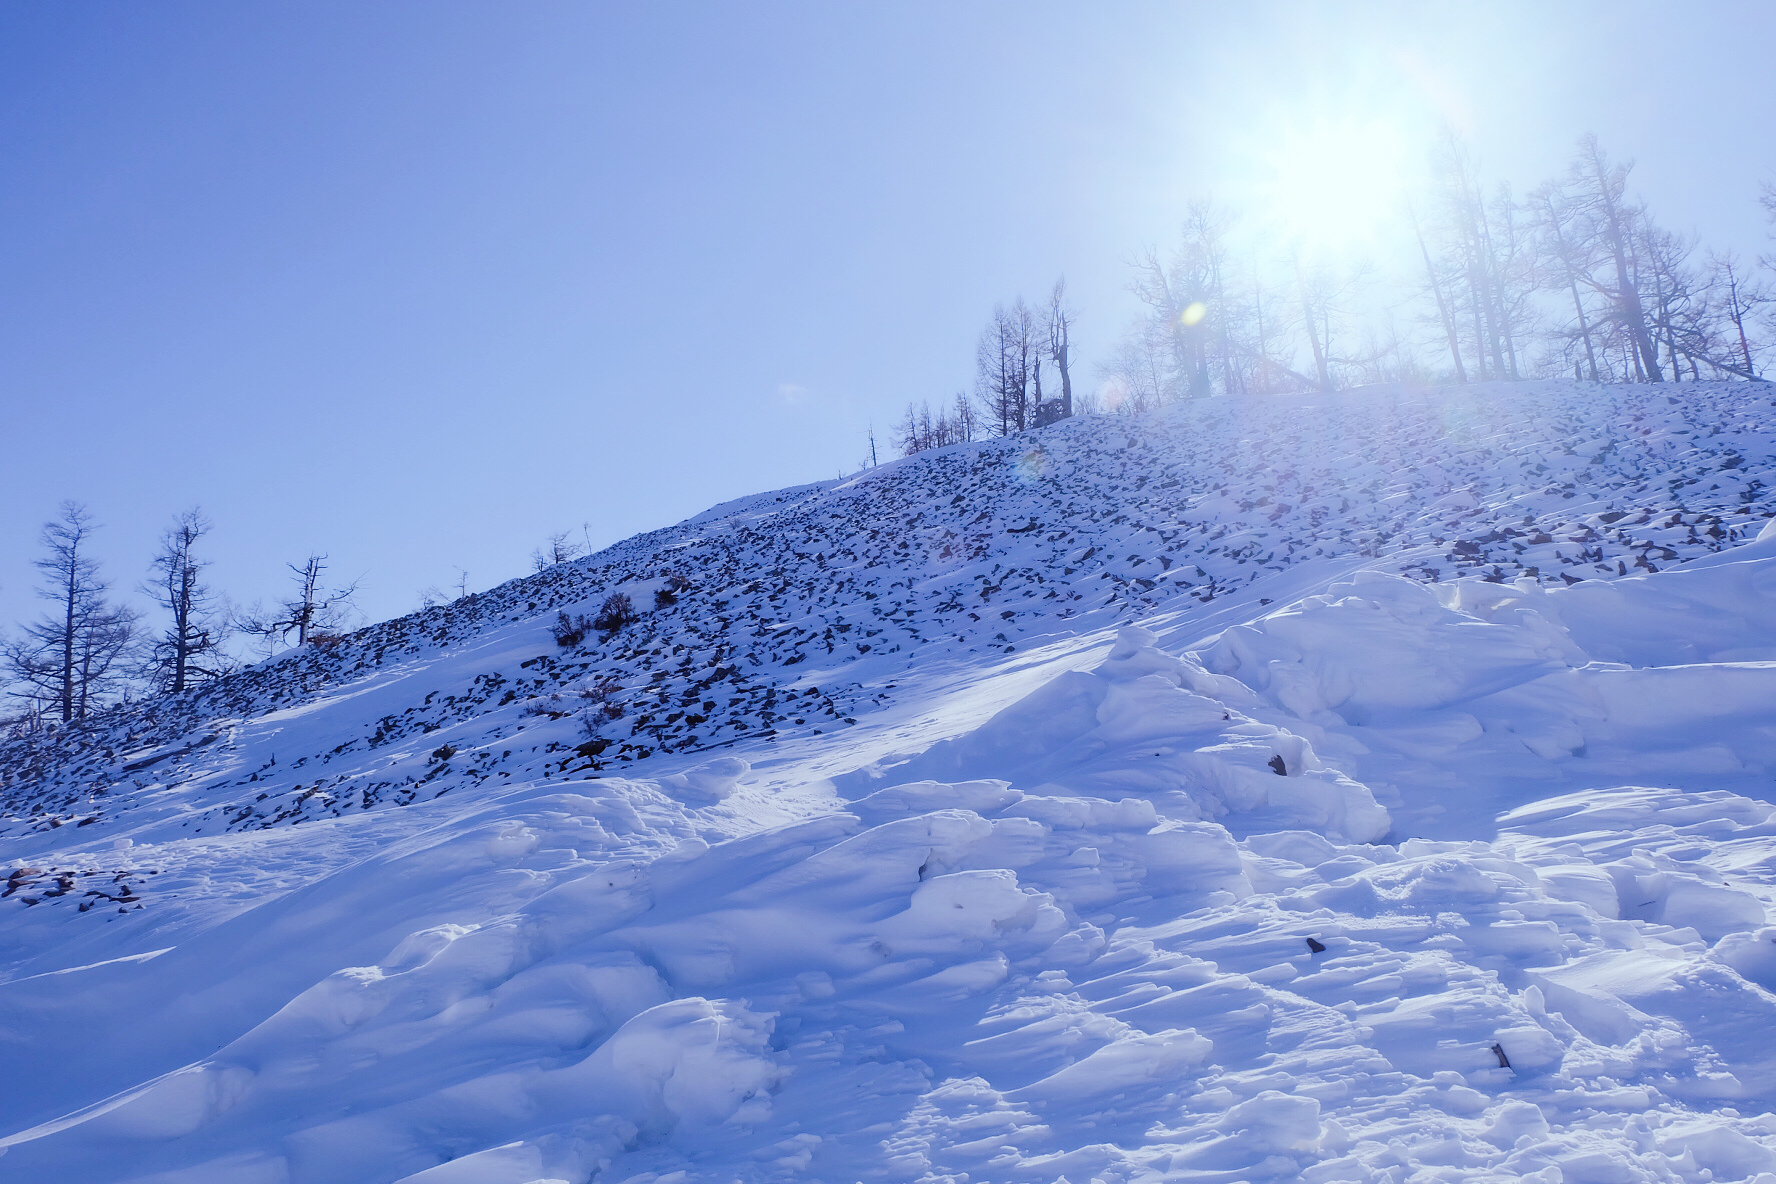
pixel 1236 794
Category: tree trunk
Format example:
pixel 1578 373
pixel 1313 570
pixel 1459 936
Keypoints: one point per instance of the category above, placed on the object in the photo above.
pixel 1461 374
pixel 70 630
pixel 1584 327
pixel 1313 337
pixel 1062 364
pixel 1628 295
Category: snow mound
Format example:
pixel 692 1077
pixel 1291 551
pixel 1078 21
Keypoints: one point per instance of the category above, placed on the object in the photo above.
pixel 1056 985
pixel 1147 723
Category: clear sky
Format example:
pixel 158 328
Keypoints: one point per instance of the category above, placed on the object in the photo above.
pixel 417 283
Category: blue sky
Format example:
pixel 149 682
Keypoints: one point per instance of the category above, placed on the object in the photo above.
pixel 418 283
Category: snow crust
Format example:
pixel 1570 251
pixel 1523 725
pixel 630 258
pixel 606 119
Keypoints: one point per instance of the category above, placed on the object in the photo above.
pixel 1341 872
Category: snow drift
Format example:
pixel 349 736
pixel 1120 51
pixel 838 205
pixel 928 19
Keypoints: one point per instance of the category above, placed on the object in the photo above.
pixel 1390 857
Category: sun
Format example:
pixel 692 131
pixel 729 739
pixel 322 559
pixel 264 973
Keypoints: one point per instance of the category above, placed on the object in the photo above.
pixel 1332 186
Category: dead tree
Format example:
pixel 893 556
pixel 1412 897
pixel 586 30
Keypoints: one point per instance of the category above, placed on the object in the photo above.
pixel 1563 257
pixel 190 649
pixel 1059 327
pixel 1444 314
pixel 1007 361
pixel 1601 188
pixel 559 548
pixel 72 659
pixel 313 611
pixel 1737 297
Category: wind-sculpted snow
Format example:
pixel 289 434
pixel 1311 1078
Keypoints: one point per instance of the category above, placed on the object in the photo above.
pixel 1317 868
pixel 1150 724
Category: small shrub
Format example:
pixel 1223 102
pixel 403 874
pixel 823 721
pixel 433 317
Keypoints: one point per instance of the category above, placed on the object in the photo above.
pixel 602 693
pixel 616 612
pixel 676 584
pixel 326 641
pixel 549 705
pixel 570 630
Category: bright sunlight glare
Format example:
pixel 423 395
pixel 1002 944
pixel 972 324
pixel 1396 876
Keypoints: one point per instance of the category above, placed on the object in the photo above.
pixel 1333 186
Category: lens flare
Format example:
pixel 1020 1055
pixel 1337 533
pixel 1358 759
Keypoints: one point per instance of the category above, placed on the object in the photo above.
pixel 1194 314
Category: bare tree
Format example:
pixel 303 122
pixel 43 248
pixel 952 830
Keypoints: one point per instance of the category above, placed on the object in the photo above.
pixel 1564 257
pixel 921 430
pixel 1259 327
pixel 559 548
pixel 313 610
pixel 963 418
pixel 1457 235
pixel 1677 305
pixel 1311 310
pixel 1327 296
pixel 1173 289
pixel 104 647
pixel 1205 236
pixel 1574 278
pixel 914 434
pixel 1445 316
pixel 1137 373
pixel 1600 187
pixel 1196 333
pixel 1058 326
pixel 1008 363
pixel 1738 296
pixel 73 659
pixel 191 648
pixel 1516 273
pixel 1767 199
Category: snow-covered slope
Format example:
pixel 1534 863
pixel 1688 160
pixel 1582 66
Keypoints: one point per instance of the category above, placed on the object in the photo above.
pixel 1360 788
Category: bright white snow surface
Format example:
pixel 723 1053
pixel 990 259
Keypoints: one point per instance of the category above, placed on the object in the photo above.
pixel 1307 864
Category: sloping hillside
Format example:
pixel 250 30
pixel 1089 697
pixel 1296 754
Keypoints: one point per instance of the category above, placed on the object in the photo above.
pixel 805 607
pixel 1358 788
